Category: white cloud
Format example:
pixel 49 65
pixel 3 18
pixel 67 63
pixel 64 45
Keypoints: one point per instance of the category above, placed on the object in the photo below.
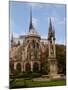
pixel 57 21
pixel 43 37
pixel 56 17
pixel 61 42
pixel 12 24
pixel 35 22
pixel 15 35
pixel 59 5
pixel 36 5
pixel 54 20
pixel 33 4
pixel 61 22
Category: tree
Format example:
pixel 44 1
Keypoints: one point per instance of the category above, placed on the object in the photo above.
pixel 61 58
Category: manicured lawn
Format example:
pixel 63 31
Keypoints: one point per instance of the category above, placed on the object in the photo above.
pixel 21 83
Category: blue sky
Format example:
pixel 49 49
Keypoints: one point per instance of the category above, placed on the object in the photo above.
pixel 20 18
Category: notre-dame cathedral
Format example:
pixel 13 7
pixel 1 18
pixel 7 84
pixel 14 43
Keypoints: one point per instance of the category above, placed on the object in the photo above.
pixel 27 52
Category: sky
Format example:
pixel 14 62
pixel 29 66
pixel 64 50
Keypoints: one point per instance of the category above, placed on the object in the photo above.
pixel 19 19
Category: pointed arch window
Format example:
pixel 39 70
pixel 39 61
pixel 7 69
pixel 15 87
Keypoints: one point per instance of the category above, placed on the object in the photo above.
pixel 37 45
pixel 33 43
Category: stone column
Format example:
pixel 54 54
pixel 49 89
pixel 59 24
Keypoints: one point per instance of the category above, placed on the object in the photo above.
pixel 55 68
pixel 49 47
pixel 39 66
pixel 54 48
pixel 31 66
pixel 15 63
pixel 22 66
pixel 52 60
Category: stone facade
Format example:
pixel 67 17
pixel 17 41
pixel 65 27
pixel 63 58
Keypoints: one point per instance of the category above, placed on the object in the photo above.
pixel 26 56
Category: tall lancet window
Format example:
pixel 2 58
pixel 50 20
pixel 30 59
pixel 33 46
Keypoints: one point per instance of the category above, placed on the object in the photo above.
pixel 33 43
pixel 37 45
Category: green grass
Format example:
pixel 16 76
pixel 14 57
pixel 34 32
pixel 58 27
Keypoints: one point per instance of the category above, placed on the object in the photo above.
pixel 20 83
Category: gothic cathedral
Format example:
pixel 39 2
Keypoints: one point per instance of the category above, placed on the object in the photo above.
pixel 27 53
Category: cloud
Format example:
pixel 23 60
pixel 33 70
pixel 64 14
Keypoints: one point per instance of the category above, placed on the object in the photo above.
pixel 33 5
pixel 44 36
pixel 56 20
pixel 59 5
pixel 52 19
pixel 35 22
pixel 15 35
pixel 61 22
pixel 12 24
pixel 61 42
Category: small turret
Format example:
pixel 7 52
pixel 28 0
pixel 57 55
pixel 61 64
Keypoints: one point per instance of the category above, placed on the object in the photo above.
pixel 13 44
pixel 12 38
pixel 50 30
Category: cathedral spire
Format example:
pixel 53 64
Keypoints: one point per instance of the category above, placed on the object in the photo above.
pixel 53 33
pixel 50 29
pixel 31 25
pixel 50 25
